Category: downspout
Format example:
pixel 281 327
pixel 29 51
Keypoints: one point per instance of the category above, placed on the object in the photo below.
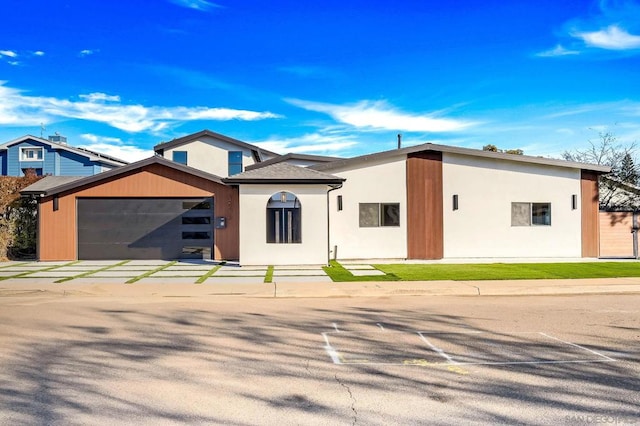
pixel 333 188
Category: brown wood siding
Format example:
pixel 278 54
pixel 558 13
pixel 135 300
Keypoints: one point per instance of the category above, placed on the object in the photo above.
pixel 424 206
pixel 616 239
pixel 589 207
pixel 57 234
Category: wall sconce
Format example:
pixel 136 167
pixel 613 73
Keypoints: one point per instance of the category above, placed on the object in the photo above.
pixel 283 197
pixel 455 201
pixel 56 203
pixel 339 202
pixel 574 202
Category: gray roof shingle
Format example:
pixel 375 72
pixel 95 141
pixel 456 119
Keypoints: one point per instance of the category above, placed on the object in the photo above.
pixel 283 173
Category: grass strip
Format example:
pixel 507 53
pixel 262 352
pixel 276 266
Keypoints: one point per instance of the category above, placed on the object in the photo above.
pixel 511 271
pixel 209 273
pixel 268 278
pixel 24 274
pixel 339 273
pixel 14 264
pixel 93 271
pixel 153 271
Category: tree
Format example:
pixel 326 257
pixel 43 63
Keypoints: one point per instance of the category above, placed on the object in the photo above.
pixel 494 148
pixel 617 189
pixel 18 219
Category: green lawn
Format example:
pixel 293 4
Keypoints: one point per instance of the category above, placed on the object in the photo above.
pixel 492 271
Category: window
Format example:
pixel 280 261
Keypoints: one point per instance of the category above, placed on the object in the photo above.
pixel 196 205
pixel 530 214
pixel 195 235
pixel 235 162
pixel 379 214
pixel 196 220
pixel 31 154
pixel 180 157
pixel 284 219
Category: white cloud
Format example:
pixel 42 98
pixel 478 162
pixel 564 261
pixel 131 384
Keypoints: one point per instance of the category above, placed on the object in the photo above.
pixel 38 53
pixel 312 143
pixel 19 109
pixel 8 53
pixel 380 115
pixel 87 52
pixel 99 97
pixel 201 5
pixel 557 51
pixel 612 38
pixel 114 147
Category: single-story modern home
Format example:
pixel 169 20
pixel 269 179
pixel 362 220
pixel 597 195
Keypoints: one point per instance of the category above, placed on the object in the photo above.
pixel 224 199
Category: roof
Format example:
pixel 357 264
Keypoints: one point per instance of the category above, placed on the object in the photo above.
pixel 68 186
pixel 293 156
pixel 195 136
pixel 363 159
pixel 283 173
pixel 92 155
pixel 47 183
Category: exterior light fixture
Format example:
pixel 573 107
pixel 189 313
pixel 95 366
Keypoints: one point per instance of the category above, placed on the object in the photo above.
pixel 455 201
pixel 574 202
pixel 283 197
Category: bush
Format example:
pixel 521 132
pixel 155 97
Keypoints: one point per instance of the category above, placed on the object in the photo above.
pixel 18 217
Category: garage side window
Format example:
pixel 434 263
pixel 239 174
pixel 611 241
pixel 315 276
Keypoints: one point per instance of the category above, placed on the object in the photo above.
pixel 284 219
pixel 373 215
pixel 530 214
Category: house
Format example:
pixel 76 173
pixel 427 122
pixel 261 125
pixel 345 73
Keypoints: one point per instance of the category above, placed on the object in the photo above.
pixel 422 202
pixel 213 153
pixel 52 157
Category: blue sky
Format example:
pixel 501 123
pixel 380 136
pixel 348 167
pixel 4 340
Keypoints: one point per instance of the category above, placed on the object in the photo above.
pixel 333 77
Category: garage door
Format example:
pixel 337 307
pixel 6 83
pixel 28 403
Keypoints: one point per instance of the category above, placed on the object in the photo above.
pixel 144 228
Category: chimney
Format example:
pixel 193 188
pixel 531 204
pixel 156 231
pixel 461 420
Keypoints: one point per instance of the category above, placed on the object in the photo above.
pixel 399 141
pixel 57 138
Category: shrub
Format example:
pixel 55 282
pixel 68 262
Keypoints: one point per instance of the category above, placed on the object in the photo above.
pixel 18 217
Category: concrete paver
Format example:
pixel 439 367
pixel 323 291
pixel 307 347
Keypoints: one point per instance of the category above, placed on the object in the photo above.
pixel 178 273
pixel 298 272
pixel 109 273
pixel 239 273
pixel 233 280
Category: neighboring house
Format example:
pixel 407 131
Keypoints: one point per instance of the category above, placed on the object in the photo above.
pixel 213 153
pixel 421 202
pixel 52 157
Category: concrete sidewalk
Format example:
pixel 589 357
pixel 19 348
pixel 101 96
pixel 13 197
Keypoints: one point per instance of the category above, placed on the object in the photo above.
pixel 162 290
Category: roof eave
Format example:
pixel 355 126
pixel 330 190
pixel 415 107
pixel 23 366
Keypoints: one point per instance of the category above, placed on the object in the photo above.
pixel 283 181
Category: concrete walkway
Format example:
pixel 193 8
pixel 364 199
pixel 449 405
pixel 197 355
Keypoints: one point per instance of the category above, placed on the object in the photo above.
pixel 210 279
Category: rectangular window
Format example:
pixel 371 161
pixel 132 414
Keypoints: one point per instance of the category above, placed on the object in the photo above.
pixel 530 214
pixel 31 154
pixel 205 220
pixel 379 214
pixel 190 235
pixel 284 225
pixel 180 157
pixel 235 162
pixel 196 205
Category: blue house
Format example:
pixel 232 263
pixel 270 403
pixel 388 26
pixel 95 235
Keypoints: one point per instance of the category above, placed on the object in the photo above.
pixel 52 157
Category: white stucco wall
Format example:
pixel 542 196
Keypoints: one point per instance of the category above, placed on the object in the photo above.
pixel 210 154
pixel 254 249
pixel 481 227
pixel 375 183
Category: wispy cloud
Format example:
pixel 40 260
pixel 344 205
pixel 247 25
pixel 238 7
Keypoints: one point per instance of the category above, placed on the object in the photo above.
pixel 87 52
pixel 612 38
pixel 557 51
pixel 38 53
pixel 306 71
pixel 313 143
pixel 380 115
pixel 8 53
pixel 114 147
pixel 201 5
pixel 19 109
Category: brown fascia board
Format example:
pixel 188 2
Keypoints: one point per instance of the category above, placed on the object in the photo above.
pixel 294 156
pixel 363 159
pixel 231 181
pixel 129 168
pixel 185 139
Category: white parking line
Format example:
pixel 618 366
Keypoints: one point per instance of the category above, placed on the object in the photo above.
pixel 437 349
pixel 577 346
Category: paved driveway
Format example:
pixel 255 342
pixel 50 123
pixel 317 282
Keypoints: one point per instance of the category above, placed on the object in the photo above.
pixel 133 271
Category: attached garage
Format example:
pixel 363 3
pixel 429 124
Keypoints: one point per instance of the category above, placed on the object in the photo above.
pixel 152 209
pixel 144 228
